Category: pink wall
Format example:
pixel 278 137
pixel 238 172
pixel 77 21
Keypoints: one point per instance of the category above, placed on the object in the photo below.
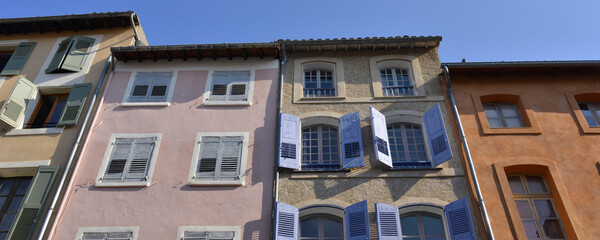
pixel 169 202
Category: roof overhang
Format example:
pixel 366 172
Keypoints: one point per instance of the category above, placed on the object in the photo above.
pixel 526 67
pixel 197 51
pixel 345 44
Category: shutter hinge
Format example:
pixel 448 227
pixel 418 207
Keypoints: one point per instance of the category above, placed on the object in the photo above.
pixel 194 178
pixel 146 178
pixel 101 179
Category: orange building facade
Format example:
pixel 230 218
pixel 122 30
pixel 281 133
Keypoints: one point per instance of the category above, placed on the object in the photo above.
pixel 533 133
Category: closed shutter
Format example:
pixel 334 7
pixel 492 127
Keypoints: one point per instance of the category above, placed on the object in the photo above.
pixel 388 222
pixel 75 104
pixel 289 141
pixel 357 221
pixel 118 159
pixel 238 88
pixel 141 87
pixel 436 134
pixel 75 58
pixel 220 83
pixel 14 107
pixel 160 86
pixel 209 153
pixel 34 200
pixel 352 151
pixel 59 56
pixel 380 137
pixel 459 221
pixel 137 167
pixel 229 161
pixel 286 222
pixel 18 58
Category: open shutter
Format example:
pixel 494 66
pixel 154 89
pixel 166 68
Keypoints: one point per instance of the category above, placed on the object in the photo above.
pixel 18 58
pixel 289 141
pixel 160 86
pixel 137 166
pixel 60 54
pixel 459 220
pixel 380 137
pixel 388 222
pixel 33 202
pixel 286 222
pixel 75 103
pixel 14 107
pixel 436 134
pixel 357 221
pixel 78 53
pixel 352 151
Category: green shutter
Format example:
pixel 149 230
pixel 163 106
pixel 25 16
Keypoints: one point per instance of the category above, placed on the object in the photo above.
pixel 14 107
pixel 75 104
pixel 33 203
pixel 18 58
pixel 59 56
pixel 78 53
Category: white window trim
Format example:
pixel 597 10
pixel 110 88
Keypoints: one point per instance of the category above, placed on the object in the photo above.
pixel 208 90
pixel 134 229
pixel 193 181
pixel 414 117
pixel 338 78
pixel 237 230
pixel 414 69
pixel 126 103
pixel 106 160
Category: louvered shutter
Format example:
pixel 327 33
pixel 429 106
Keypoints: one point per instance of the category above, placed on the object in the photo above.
pixel 59 56
pixel 77 54
pixel 436 134
pixel 286 222
pixel 388 222
pixel 75 104
pixel 289 141
pixel 209 153
pixel 160 86
pixel 220 83
pixel 118 159
pixel 238 88
pixel 357 221
pixel 380 137
pixel 14 107
pixel 230 157
pixel 459 221
pixel 137 167
pixel 34 200
pixel 352 151
pixel 18 58
pixel 141 87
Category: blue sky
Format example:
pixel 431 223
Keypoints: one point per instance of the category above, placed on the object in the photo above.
pixel 483 30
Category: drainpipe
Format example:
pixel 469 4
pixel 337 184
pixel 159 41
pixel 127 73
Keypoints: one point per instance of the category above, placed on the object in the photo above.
pixel 283 59
pixel 137 42
pixel 73 151
pixel 488 226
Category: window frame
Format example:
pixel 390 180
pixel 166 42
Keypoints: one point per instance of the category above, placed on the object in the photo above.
pixel 411 63
pixel 318 67
pixel 416 118
pixel 498 109
pixel 574 99
pixel 320 217
pixel 39 102
pixel 194 181
pixel 224 102
pixel 133 229
pixel 335 65
pixel 530 123
pixel 411 164
pixel 12 193
pixel 130 86
pixel 320 147
pixel 150 167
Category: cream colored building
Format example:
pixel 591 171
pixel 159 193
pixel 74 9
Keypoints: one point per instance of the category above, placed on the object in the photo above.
pixel 50 68
pixel 364 150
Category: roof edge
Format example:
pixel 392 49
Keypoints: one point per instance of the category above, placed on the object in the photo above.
pixel 522 64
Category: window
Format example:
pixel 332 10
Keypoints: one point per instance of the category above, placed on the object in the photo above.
pixel 396 82
pixel 320 148
pixel 48 111
pixel 107 236
pixel 13 60
pixel 591 112
pixel 107 233
pixel 219 158
pixel 422 226
pixel 150 87
pixel 230 86
pixel 503 115
pixel 318 83
pixel 4 57
pixel 396 76
pixel 538 214
pixel 188 235
pixel 321 227
pixel 12 192
pixel 70 55
pixel 407 145
pixel 318 79
pixel 129 160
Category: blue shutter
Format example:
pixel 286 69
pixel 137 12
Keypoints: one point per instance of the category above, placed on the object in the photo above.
pixel 352 151
pixel 436 133
pixel 289 141
pixel 459 221
pixel 357 221
pixel 380 137
pixel 388 222
pixel 286 222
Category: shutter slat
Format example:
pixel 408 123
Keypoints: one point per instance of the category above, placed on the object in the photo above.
pixel 75 58
pixel 14 107
pixel 75 104
pixel 380 137
pixel 357 221
pixel 388 222
pixel 18 58
pixel 289 141
pixel 351 140
pixel 436 134
pixel 286 222
pixel 459 220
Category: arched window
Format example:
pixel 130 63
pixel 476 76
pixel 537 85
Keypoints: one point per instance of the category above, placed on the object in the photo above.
pixel 321 227
pixel 319 79
pixel 320 148
pixel 422 226
pixel 407 145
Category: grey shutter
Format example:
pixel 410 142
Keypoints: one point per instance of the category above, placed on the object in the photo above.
pixel 75 104
pixel 137 164
pixel 159 88
pixel 388 222
pixel 380 137
pixel 357 221
pixel 286 222
pixel 436 134
pixel 18 58
pixel 34 200
pixel 209 153
pixel 141 87
pixel 14 107
pixel 229 163
pixel 77 54
pixel 289 141
pixel 59 56
pixel 121 149
pixel 352 150
pixel 220 235
pixel 238 88
pixel 220 85
pixel 459 221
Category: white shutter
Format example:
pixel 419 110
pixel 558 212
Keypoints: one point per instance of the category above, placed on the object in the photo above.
pixel 137 168
pixel 160 87
pixel 14 107
pixel 141 87
pixel 209 153
pixel 229 163
pixel 286 222
pixel 380 137
pixel 118 159
pixel 289 141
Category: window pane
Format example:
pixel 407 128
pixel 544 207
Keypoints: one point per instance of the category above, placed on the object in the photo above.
pixel 513 122
pixel 524 209
pixel 552 228
pixel 509 110
pixel 530 229
pixel 495 122
pixel 15 203
pixel 516 186
pixel 57 112
pixel 432 225
pixel 409 225
pixel 490 111
pixel 6 186
pixel 309 228
pixel 332 228
pixel 544 208
pixel 7 221
pixel 536 184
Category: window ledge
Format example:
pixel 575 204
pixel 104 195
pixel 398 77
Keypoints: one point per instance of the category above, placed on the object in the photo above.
pixel 404 96
pixel 523 130
pixel 211 182
pixel 145 104
pixel 321 171
pixel 34 131
pixel 218 103
pixel 122 184
pixel 321 98
pixel 414 169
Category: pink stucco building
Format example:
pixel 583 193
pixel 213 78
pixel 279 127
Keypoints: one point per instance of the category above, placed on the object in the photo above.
pixel 182 146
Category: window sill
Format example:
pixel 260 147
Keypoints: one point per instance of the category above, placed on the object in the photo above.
pixel 413 169
pixel 34 131
pixel 321 98
pixel 219 103
pixel 216 182
pixel 145 104
pixel 523 130
pixel 321 171
pixel 397 97
pixel 122 184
